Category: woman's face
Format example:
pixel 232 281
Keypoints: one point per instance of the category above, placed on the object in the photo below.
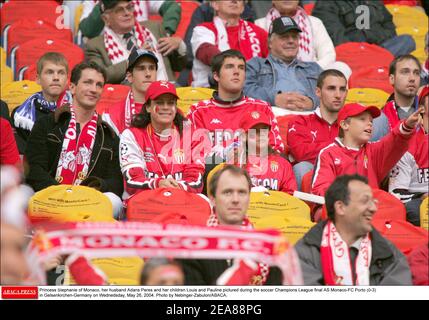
pixel 163 110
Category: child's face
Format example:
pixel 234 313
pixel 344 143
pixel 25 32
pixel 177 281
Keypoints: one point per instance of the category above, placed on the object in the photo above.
pixel 52 79
pixel 359 128
pixel 258 140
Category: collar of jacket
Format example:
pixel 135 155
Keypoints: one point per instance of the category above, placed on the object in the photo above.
pixel 380 248
pixel 271 59
pixel 219 100
pixel 64 111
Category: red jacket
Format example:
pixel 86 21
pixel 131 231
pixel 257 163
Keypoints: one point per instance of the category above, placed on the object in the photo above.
pixel 418 261
pixel 222 119
pixel 146 158
pixel 115 117
pixel 373 160
pixel 308 134
pixel 390 110
pixel 9 154
pixel 275 173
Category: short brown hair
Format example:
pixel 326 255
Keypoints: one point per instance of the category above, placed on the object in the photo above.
pixel 327 73
pixel 54 57
pixel 234 170
pixel 392 67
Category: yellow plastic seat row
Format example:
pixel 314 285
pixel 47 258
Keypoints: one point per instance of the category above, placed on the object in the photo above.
pixel 190 95
pixel 407 16
pixel 367 96
pixel 6 74
pixel 16 92
pixel 424 214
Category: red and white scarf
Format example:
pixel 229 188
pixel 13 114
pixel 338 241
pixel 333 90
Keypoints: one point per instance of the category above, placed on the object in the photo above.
pixel 124 239
pixel 76 151
pixel 263 270
pixel 130 109
pixel 306 49
pixel 247 47
pixel 336 262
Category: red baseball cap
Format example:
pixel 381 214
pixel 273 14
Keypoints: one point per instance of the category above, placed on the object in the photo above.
pixel 424 93
pixel 251 119
pixel 158 88
pixel 354 109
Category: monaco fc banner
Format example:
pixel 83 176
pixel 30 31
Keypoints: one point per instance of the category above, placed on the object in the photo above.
pixel 97 240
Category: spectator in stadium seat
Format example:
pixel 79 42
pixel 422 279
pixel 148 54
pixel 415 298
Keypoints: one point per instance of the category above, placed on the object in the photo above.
pixel 141 72
pixel 154 153
pixel 282 79
pixel 92 24
pixel 404 76
pixel 314 41
pixel 268 168
pixel 73 145
pixel 308 134
pixel 409 178
pixel 351 207
pixel 123 33
pixel 220 115
pixel 351 153
pixel 162 272
pixel 230 188
pixel 52 75
pixel 227 31
pixel 362 21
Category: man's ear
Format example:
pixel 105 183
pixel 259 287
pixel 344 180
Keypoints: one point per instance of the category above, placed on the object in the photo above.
pixel 72 88
pixel 38 79
pixel 392 79
pixel 212 200
pixel 129 77
pixel 105 18
pixel 339 207
pixel 216 77
pixel 318 92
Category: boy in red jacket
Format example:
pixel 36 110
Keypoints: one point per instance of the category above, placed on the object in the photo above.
pixel 352 154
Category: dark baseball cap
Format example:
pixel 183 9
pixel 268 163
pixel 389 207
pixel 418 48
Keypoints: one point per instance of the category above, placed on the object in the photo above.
pixel 109 4
pixel 282 25
pixel 135 55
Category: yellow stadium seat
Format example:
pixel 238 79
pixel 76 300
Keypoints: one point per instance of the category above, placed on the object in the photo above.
pixel 65 203
pixel 120 271
pixel 210 175
pixel 6 74
pixel 276 203
pixel 2 57
pixel 77 15
pixel 367 96
pixel 292 228
pixel 424 214
pixel 407 16
pixel 15 93
pixel 189 95
pixel 417 32
pixel 420 54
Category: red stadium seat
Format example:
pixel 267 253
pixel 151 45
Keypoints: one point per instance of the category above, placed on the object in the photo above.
pixel 168 206
pixel 361 54
pixel 306 182
pixel 402 234
pixel 112 94
pixel 309 8
pixel 25 30
pixel 389 207
pixel 376 77
pixel 29 52
pixel 31 72
pixel 13 11
pixel 283 122
pixel 410 3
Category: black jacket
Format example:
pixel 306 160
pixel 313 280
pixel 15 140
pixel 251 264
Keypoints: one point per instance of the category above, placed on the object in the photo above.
pixel 388 265
pixel 341 19
pixel 206 272
pixel 44 147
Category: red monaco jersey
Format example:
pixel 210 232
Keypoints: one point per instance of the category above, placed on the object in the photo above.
pixel 147 157
pixel 273 172
pixel 221 120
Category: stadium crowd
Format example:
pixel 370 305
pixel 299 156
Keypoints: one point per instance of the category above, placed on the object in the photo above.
pixel 184 112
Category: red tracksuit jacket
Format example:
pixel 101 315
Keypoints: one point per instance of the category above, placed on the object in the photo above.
pixel 146 158
pixel 222 119
pixel 273 173
pixel 373 160
pixel 308 134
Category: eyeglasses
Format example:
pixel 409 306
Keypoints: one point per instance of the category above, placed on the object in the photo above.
pixel 123 10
